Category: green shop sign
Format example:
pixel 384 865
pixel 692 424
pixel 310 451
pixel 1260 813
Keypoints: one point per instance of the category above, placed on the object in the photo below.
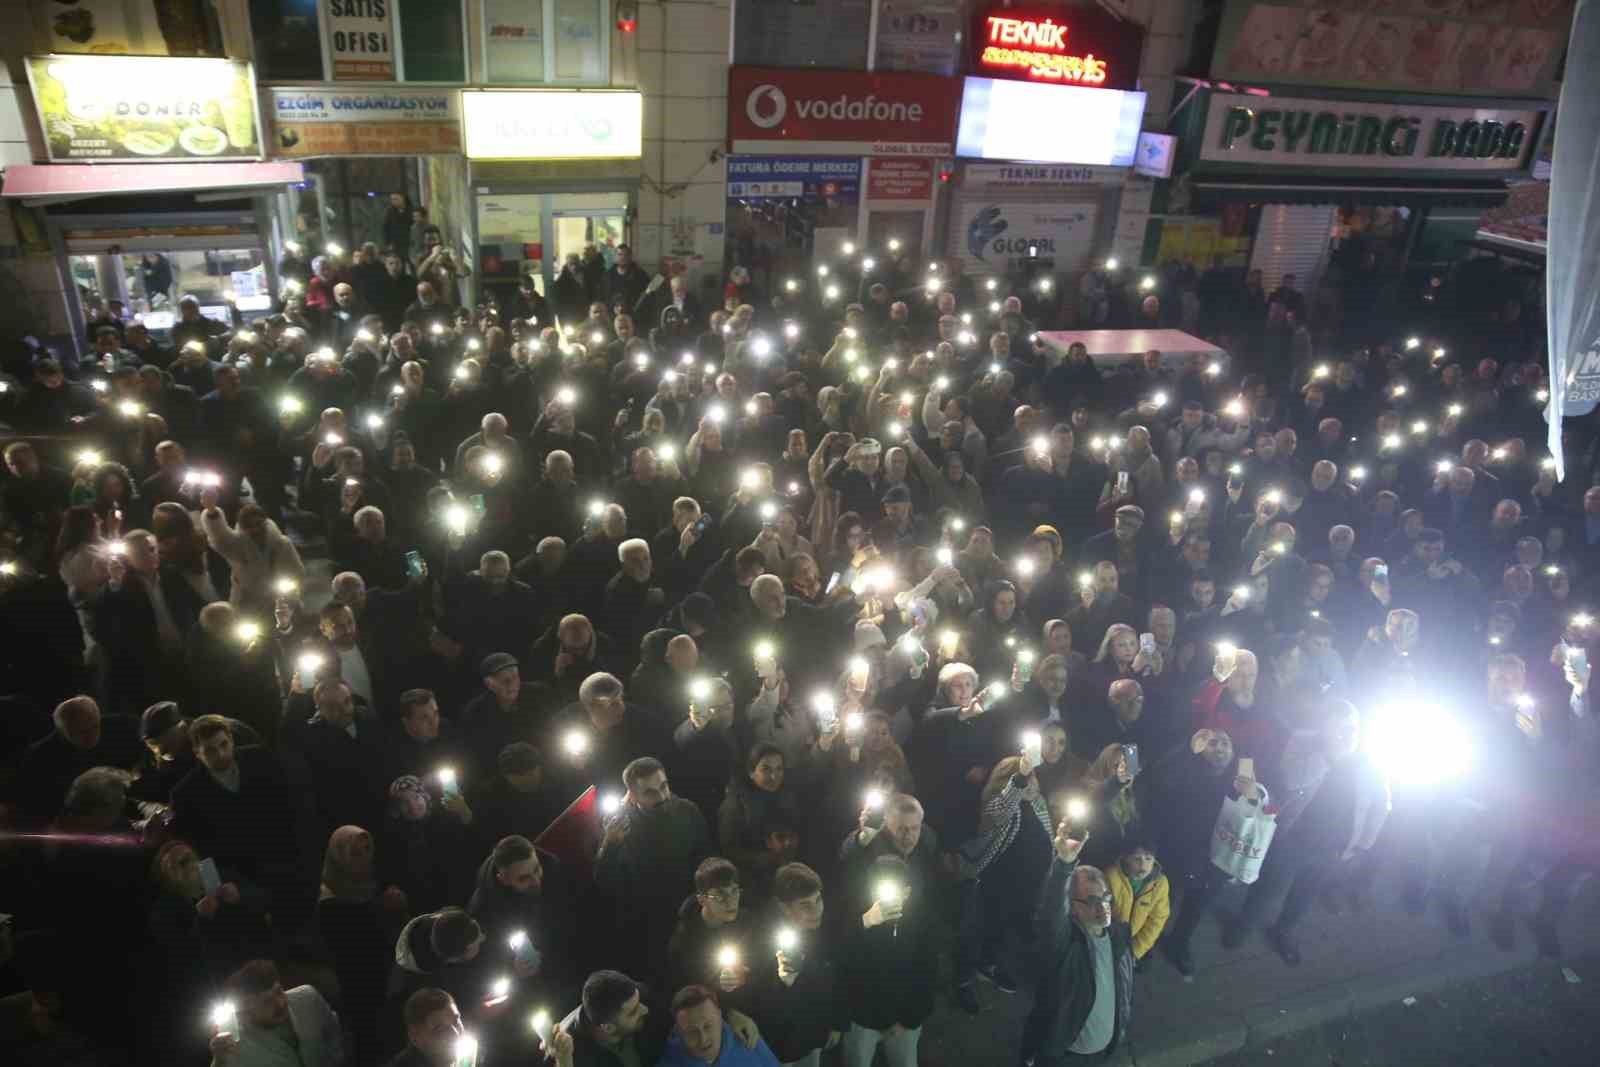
pixel 1294 132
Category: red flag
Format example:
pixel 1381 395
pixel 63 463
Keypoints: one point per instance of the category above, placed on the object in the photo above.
pixel 574 835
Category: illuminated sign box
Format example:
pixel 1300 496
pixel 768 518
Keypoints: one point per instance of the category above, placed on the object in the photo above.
pixel 145 109
pixel 553 124
pixel 1155 154
pixel 1065 46
pixel 1048 123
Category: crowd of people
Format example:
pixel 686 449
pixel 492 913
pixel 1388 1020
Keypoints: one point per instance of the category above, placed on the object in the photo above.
pixel 701 688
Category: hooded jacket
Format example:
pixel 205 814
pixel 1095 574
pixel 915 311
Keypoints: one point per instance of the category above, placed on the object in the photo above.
pixel 1147 912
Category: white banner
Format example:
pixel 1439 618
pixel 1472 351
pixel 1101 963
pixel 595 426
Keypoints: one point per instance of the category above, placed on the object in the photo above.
pixel 1573 264
pixel 359 36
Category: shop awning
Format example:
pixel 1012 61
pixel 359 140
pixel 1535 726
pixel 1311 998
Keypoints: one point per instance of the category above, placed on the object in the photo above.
pixel 1397 192
pixel 57 182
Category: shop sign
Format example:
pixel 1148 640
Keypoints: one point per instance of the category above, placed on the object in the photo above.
pixel 144 109
pixel 1003 235
pixel 793 177
pixel 553 124
pixel 999 177
pixel 1002 119
pixel 900 179
pixel 1309 133
pixel 1062 46
pixel 360 39
pixel 364 122
pixel 778 112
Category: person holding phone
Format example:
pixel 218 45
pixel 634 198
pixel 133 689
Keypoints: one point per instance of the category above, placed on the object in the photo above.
pixel 1012 849
pixel 1335 805
pixel 1083 999
pixel 1114 818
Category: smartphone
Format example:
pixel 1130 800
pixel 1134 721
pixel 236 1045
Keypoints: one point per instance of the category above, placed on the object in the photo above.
pixel 478 503
pixel 1576 657
pixel 210 879
pixel 833 583
pixel 1380 573
pixel 1131 754
pixel 1122 483
pixel 414 564
pixel 1247 767
pixel 1147 644
pixel 702 524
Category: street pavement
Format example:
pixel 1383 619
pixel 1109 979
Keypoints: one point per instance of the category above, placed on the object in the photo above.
pixel 1240 1003
pixel 1547 1014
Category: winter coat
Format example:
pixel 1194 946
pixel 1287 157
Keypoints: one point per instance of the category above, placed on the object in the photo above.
pixel 1145 914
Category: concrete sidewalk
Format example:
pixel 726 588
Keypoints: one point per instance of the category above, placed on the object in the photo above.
pixel 1244 998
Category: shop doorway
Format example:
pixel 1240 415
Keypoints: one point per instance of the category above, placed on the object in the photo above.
pixel 576 229
pixel 147 263
pixel 904 226
pixel 530 234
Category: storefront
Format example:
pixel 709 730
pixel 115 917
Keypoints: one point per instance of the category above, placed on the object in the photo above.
pixel 1330 136
pixel 822 157
pixel 550 172
pixel 1047 135
pixel 1306 174
pixel 359 146
pixel 153 187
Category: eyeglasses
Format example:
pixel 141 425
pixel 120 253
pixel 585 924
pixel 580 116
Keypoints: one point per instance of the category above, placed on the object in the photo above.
pixel 1105 901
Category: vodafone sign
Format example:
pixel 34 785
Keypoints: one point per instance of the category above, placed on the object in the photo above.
pixel 774 111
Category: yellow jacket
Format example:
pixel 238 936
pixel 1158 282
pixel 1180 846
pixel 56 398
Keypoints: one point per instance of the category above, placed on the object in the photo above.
pixel 1147 916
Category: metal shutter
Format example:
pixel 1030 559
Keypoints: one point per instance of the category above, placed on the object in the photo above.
pixel 1293 239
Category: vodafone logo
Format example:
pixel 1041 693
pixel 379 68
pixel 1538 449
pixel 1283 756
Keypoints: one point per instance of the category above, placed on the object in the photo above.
pixel 766 105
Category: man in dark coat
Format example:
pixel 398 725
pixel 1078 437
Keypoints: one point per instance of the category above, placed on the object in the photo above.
pixel 1083 998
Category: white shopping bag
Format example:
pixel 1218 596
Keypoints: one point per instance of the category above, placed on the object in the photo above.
pixel 1243 832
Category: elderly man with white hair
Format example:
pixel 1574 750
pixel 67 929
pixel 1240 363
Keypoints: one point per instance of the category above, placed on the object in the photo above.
pixel 633 602
pixel 1083 992
pixel 494 435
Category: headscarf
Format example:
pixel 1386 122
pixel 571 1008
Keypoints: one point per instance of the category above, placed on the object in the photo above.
pixel 401 791
pixel 345 876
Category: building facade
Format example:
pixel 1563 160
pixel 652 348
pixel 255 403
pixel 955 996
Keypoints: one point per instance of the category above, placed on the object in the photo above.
pixel 527 131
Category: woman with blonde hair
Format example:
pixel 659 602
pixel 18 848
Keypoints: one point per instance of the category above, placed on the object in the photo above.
pixel 1113 820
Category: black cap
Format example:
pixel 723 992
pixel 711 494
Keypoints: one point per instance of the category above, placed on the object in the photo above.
pixel 158 719
pixel 495 662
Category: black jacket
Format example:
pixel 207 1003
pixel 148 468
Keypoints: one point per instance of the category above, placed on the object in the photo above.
pixel 1064 981
pixel 545 916
pixel 251 829
pixel 797 1018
